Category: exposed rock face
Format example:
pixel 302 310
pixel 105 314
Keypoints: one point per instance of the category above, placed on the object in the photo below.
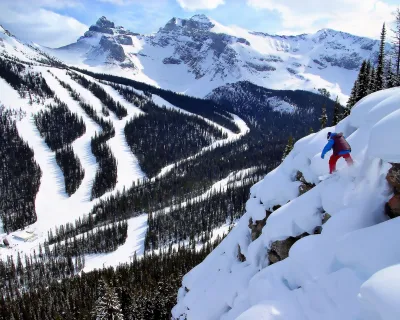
pixel 305 186
pixel 101 30
pixel 125 40
pixel 103 22
pixel 241 256
pixel 194 44
pixel 256 229
pixel 392 207
pixel 171 60
pixel 116 51
pixel 280 249
pixel 393 177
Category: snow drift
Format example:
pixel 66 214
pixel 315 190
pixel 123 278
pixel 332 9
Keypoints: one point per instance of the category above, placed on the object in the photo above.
pixel 344 255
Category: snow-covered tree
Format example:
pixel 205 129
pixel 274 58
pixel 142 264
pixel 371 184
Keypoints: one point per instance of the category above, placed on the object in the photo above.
pixel 288 147
pixel 363 81
pixel 371 87
pixel 379 79
pixel 336 112
pixel 324 118
pixel 396 45
pixel 107 306
pixel 390 76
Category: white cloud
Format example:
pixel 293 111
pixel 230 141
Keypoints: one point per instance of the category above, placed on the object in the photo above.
pixel 361 17
pixel 192 5
pixel 33 21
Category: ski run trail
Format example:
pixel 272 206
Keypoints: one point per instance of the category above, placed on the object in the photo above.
pixel 53 205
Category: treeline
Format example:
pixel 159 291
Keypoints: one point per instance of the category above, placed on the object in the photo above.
pixel 206 108
pixel 161 136
pixel 144 289
pixel 58 125
pixel 196 221
pixel 189 179
pixel 71 167
pixel 101 240
pixel 28 84
pixel 384 75
pixel 21 275
pixel 117 108
pixel 106 175
pixel 19 175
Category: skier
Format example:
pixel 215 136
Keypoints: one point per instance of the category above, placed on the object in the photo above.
pixel 341 148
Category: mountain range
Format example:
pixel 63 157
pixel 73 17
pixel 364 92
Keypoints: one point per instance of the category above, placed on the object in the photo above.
pixel 196 55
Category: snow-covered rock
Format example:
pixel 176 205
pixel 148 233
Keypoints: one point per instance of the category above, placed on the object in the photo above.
pixel 348 271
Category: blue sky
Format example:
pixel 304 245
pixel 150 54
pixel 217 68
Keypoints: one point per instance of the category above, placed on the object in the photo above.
pixel 58 22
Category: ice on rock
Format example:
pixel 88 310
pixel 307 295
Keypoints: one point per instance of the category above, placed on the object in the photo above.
pixel 349 271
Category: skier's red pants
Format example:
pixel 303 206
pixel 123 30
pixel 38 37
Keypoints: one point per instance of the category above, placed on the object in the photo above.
pixel 333 159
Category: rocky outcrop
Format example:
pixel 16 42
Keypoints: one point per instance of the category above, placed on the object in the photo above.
pixel 125 40
pixel 116 51
pixel 256 228
pixel 279 250
pixel 103 22
pixel 392 207
pixel 171 60
pixel 241 257
pixel 305 186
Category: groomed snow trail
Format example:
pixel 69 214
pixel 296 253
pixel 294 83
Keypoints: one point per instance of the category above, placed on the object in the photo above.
pixel 231 136
pixel 81 146
pixel 128 169
pixel 137 228
pixel 53 206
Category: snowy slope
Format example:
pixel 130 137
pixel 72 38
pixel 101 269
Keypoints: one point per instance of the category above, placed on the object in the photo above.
pixel 53 206
pixel 197 55
pixel 347 271
pixel 13 47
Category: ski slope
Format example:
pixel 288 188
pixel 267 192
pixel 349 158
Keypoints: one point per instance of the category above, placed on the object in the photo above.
pixel 231 136
pixel 53 206
pixel 346 272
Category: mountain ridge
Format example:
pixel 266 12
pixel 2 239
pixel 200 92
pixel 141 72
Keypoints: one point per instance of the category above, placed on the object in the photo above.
pixel 198 54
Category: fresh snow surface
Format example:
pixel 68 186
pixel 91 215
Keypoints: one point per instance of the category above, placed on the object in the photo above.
pixel 280 105
pixel 349 271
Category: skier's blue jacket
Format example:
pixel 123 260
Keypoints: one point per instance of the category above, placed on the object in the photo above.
pixel 330 144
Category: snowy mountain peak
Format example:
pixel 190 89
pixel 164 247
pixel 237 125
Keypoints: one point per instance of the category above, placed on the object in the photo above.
pixel 200 18
pixel 103 22
pixel 197 22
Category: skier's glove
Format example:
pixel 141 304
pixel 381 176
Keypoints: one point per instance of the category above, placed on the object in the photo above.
pixel 322 156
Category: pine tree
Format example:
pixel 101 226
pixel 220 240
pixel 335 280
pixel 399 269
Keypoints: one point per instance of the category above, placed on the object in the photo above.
pixel 372 77
pixel 390 77
pixel 324 118
pixel 107 306
pixel 379 80
pixel 362 81
pixel 288 148
pixel 396 45
pixel 336 112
